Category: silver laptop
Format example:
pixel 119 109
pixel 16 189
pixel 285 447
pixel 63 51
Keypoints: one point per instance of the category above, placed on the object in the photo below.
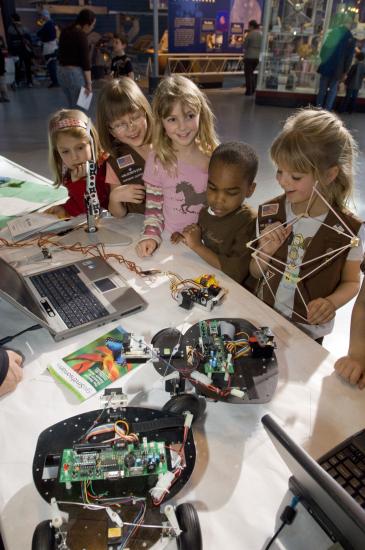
pixel 70 299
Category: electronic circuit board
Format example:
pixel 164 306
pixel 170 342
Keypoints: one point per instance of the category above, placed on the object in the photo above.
pixel 114 462
pixel 215 358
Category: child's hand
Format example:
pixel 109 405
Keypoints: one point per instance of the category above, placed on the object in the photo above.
pixel 272 242
pixel 58 211
pixel 146 247
pixel 78 172
pixel 177 238
pixel 349 369
pixel 320 311
pixel 192 235
pixel 129 193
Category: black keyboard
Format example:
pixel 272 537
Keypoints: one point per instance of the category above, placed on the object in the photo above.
pixel 346 464
pixel 69 296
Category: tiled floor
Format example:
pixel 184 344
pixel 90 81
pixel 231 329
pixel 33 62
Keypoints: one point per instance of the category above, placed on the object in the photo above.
pixel 23 139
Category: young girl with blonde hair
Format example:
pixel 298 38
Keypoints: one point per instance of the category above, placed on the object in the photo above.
pixel 72 139
pixel 124 121
pixel 310 245
pixel 176 171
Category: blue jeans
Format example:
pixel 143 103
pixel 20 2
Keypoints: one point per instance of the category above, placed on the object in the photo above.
pixel 71 79
pixel 349 101
pixel 327 92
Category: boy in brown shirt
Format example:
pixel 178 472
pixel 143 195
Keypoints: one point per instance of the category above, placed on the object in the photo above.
pixel 226 224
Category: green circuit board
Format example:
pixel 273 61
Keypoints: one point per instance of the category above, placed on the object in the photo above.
pixel 216 360
pixel 148 458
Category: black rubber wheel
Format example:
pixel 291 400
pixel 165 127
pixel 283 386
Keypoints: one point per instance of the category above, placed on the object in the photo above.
pixel 184 402
pixel 191 536
pixel 44 536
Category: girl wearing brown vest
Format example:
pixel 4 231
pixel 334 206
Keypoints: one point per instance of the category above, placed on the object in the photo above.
pixel 124 121
pixel 309 246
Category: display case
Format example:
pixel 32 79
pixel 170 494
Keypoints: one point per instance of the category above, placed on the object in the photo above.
pixel 292 36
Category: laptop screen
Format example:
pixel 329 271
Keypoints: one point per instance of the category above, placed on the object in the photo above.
pixel 12 285
pixel 336 511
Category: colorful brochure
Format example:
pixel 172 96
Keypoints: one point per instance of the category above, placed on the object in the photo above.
pixel 93 367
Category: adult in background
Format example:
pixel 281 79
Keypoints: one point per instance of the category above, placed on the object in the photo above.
pixel 252 46
pixel 336 56
pixel 74 69
pixel 47 34
pixel 20 46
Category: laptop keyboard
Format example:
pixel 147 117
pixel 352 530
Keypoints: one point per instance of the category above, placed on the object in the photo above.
pixel 68 294
pixel 346 464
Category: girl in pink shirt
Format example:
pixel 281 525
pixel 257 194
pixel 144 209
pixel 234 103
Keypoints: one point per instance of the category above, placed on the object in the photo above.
pixel 176 170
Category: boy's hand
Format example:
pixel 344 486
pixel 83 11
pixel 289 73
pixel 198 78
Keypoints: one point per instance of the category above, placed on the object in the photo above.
pixel 129 193
pixel 146 247
pixel 351 370
pixel 272 242
pixel 78 172
pixel 320 311
pixel 177 238
pixel 14 374
pixel 192 235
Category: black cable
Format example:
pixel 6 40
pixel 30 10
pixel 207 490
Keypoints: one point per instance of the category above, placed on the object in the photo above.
pixel 275 536
pixel 8 339
pixel 287 517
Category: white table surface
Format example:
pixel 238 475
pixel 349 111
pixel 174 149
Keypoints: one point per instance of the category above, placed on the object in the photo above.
pixel 239 483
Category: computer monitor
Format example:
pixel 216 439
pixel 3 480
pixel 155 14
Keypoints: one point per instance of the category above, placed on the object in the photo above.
pixel 332 507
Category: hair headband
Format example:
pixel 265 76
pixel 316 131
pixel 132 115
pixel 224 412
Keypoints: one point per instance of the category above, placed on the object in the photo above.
pixel 68 123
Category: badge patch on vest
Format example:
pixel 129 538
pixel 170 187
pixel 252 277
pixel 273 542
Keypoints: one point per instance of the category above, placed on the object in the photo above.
pixel 269 209
pixel 126 160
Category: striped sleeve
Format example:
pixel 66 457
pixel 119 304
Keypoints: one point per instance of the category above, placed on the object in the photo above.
pixel 153 218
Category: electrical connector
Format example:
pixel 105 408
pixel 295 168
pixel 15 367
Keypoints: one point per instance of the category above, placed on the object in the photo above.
pixel 289 512
pixel 201 378
pixel 114 517
pixel 188 420
pixel 237 393
pixel 163 485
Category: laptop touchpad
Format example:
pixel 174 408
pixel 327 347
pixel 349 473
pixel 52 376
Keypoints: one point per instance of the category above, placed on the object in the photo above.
pixel 105 284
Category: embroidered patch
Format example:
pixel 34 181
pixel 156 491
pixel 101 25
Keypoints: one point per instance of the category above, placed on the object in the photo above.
pixel 125 161
pixel 269 209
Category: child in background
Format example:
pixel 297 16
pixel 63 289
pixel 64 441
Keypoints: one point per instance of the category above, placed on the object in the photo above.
pixel 124 121
pixel 300 230
pixel 70 137
pixel 353 83
pixel 352 366
pixel 121 64
pixel 226 224
pixel 176 171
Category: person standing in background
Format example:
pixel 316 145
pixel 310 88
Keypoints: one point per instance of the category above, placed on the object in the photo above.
pixel 48 36
pixel 252 45
pixel 4 98
pixel 20 46
pixel 74 70
pixel 336 56
pixel 353 83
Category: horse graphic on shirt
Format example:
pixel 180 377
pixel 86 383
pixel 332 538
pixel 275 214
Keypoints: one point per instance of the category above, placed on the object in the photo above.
pixel 191 197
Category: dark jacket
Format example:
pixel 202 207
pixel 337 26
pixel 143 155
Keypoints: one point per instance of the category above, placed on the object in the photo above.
pixel 355 76
pixel 4 365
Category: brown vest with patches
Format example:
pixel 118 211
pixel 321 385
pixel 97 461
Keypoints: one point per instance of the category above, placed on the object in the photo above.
pixel 129 167
pixel 325 280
